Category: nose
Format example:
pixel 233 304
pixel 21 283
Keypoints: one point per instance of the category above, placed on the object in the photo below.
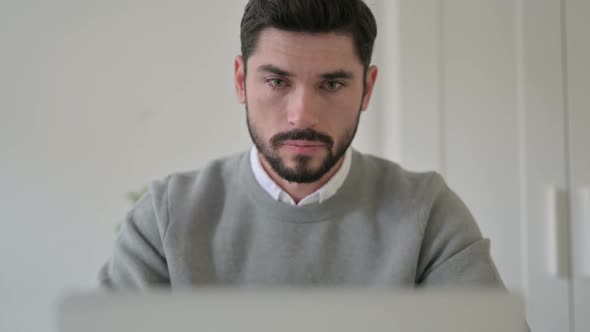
pixel 303 109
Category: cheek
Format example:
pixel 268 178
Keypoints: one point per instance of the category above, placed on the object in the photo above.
pixel 341 113
pixel 263 101
pixel 265 111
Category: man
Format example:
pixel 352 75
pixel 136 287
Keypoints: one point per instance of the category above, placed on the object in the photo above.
pixel 302 207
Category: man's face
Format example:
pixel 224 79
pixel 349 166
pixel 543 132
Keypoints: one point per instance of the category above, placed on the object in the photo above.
pixel 303 96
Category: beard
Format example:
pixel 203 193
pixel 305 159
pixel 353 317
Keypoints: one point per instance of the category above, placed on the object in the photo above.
pixel 302 171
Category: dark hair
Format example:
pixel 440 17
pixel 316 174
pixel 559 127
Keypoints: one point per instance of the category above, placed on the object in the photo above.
pixel 310 16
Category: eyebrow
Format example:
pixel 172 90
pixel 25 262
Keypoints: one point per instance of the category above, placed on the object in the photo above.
pixel 274 70
pixel 337 74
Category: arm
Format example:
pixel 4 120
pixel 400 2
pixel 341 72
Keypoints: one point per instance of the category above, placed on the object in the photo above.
pixel 138 259
pixel 453 251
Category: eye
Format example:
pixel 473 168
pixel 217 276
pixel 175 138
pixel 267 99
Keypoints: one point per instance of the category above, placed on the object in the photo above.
pixel 277 82
pixel 332 85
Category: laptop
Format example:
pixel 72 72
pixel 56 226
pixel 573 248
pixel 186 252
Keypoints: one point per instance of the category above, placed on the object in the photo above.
pixel 291 310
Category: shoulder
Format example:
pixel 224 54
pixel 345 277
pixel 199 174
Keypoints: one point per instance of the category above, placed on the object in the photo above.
pixel 389 178
pixel 421 198
pixel 214 176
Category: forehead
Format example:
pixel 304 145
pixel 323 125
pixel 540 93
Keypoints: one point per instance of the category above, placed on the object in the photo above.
pixel 304 51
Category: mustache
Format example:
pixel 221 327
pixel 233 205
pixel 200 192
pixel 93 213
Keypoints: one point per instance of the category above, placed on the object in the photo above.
pixel 301 135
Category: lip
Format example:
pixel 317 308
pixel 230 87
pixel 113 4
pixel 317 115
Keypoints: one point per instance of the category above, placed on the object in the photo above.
pixel 303 143
pixel 304 147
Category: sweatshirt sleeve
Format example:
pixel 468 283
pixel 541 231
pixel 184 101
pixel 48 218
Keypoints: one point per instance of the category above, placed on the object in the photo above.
pixel 138 260
pixel 453 252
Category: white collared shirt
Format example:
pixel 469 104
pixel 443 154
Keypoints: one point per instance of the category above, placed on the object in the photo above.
pixel 318 196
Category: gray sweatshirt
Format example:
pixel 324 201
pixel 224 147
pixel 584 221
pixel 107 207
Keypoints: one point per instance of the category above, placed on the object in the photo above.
pixel 384 227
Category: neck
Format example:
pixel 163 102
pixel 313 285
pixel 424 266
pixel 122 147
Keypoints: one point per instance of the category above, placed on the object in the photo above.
pixel 299 191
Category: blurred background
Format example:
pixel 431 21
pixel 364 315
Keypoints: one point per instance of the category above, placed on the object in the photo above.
pixel 98 98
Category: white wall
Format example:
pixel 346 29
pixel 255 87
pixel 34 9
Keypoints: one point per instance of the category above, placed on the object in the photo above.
pixel 491 96
pixel 460 111
pixel 97 99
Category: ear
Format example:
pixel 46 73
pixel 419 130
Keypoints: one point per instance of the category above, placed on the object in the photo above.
pixel 240 79
pixel 369 85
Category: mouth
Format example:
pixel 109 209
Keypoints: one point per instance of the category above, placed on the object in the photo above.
pixel 303 146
